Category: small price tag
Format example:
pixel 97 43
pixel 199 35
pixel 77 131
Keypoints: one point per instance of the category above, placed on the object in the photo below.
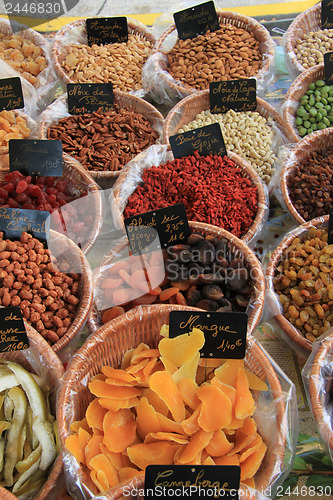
pixel 36 157
pixel 239 95
pixel 192 481
pixel 326 14
pixel 206 140
pixel 104 30
pixel 328 63
pixel 15 221
pixel 330 228
pixel 89 97
pixel 196 20
pixel 225 333
pixel 13 336
pixel 169 224
pixel 11 95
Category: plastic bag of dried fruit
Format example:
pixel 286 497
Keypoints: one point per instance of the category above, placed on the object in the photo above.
pixel 317 376
pixel 171 73
pixel 273 425
pixel 26 54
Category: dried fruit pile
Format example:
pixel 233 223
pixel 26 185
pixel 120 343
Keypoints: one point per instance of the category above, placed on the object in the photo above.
pixel 158 409
pixel 12 126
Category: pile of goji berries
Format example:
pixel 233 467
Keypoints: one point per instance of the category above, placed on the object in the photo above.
pixel 213 189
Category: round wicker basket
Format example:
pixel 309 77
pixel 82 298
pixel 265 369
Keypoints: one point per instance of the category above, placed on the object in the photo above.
pixel 318 141
pixel 122 191
pixel 178 89
pixel 250 260
pixel 125 101
pixel 317 392
pixel 55 370
pixel 296 90
pixel 58 54
pixel 30 123
pixel 294 337
pixel 108 346
pixel 309 20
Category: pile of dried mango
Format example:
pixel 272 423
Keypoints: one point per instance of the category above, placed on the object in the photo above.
pixel 168 406
pixel 28 444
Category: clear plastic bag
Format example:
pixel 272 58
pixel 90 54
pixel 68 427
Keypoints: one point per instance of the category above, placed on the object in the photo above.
pixel 276 414
pixel 164 89
pixel 317 376
pixel 36 97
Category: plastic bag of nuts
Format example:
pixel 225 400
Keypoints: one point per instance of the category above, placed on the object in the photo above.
pixel 241 48
pixel 27 54
pixel 299 294
pixel 117 63
pixel 125 133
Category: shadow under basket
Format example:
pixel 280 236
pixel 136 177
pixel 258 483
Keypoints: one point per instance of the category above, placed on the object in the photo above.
pixel 108 346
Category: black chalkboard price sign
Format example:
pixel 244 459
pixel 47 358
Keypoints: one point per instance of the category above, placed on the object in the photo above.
pixel 206 140
pixel 11 95
pixel 225 332
pixel 15 221
pixel 104 30
pixel 89 97
pixel 192 481
pixel 239 95
pixel 196 20
pixel 13 335
pixel 36 157
pixel 157 229
pixel 328 63
pixel 327 14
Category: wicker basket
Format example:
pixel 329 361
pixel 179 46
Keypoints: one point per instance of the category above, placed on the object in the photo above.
pixel 309 20
pixel 237 244
pixel 79 181
pixel 134 28
pixel 55 371
pixel 121 187
pixel 293 336
pixel 296 90
pixel 316 395
pixel 30 123
pixel 108 346
pixel 123 100
pixel 318 141
pixel 178 89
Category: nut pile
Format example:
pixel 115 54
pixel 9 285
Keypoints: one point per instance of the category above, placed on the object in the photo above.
pixel 104 141
pixel 12 126
pixel 22 55
pixel 48 298
pixel 310 185
pixel 118 63
pixel 225 54
pixel 303 281
pixel 310 49
pixel 246 133
pixel 316 108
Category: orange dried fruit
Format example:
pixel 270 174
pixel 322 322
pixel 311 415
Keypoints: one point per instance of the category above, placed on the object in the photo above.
pixel 148 353
pixel 228 372
pixel 255 383
pixel 208 461
pixel 127 359
pixel 168 365
pixel 198 442
pixel 99 479
pixel 75 426
pixel 84 438
pixel 138 280
pixel 93 448
pixel 250 466
pixel 225 460
pixel 249 482
pixel 187 370
pixel 118 404
pixel 103 390
pixel 216 409
pixel 95 415
pixel 251 448
pixel 159 453
pixel 166 389
pixel 182 349
pixel 73 445
pixel 118 374
pixel 155 401
pixel 244 436
pixel 219 444
pixel 191 425
pixel 173 437
pixel 146 419
pixel 128 473
pixel 116 459
pixel 245 402
pixel 188 390
pixel 102 463
pixel 119 430
pixel 168 425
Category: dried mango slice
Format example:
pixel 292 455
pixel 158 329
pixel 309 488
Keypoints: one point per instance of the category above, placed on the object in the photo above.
pixel 119 430
pixel 188 370
pixel 101 463
pixel 188 390
pixel 208 461
pixel 255 444
pixel 84 438
pixel 127 359
pixel 228 372
pixel 169 365
pixel 159 453
pixel 95 414
pixel 147 419
pixel 118 404
pixel 99 376
pixel 148 353
pixel 73 445
pixel 152 437
pixel 182 349
pixel 140 348
pixel 104 390
pixel 100 481
pixel 116 459
pixel 232 395
pixel 93 448
pixel 166 389
pixel 148 369
pixel 245 403
pixel 249 482
pixel 225 460
pixel 191 424
pixel 155 401
pixel 244 436
pixel 255 383
pixel 250 466
pixel 128 473
pixel 219 444
pixel 118 374
pixel 168 425
pixel 197 443
pixel 216 409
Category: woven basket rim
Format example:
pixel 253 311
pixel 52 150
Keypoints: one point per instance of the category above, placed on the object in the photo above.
pixel 313 141
pixel 298 341
pixel 154 313
pixel 223 16
pixel 118 94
